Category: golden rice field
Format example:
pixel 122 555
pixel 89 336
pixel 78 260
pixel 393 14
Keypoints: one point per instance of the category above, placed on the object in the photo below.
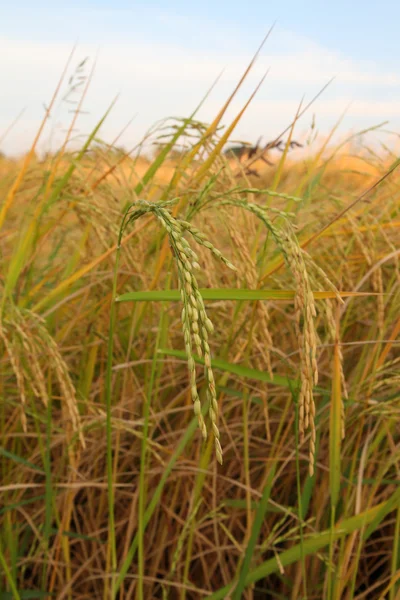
pixel 229 317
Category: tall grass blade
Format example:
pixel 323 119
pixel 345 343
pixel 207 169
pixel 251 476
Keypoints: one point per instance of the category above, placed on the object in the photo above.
pixel 26 240
pixel 315 543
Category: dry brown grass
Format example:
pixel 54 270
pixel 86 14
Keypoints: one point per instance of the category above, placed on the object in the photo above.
pixel 197 535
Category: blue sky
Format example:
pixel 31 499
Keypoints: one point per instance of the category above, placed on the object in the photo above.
pixel 161 57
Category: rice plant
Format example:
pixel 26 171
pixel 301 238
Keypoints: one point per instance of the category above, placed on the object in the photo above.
pixel 150 302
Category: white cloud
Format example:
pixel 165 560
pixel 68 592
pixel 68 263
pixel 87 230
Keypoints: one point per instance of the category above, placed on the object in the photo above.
pixel 158 79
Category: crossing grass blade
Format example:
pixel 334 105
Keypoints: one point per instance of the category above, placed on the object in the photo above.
pixel 20 460
pixel 313 544
pixel 228 294
pixel 240 371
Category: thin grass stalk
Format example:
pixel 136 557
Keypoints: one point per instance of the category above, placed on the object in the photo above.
pixel 261 511
pixel 246 454
pixel 142 474
pixel 11 126
pixel 12 547
pixel 67 137
pixel 123 570
pixel 9 578
pixel 331 585
pixel 336 433
pixel 108 384
pixel 14 188
pixel 395 566
pixel 355 563
pixel 198 488
pixel 392 585
pixel 179 546
pixel 246 462
pixel 48 489
pixel 255 532
pixel 300 495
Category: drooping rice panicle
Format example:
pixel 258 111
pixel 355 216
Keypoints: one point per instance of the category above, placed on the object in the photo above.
pixel 196 325
pixel 305 314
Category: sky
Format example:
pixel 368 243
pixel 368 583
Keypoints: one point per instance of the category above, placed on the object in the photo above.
pixel 161 57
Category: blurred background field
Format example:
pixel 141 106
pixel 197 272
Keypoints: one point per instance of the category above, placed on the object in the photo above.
pixel 112 493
